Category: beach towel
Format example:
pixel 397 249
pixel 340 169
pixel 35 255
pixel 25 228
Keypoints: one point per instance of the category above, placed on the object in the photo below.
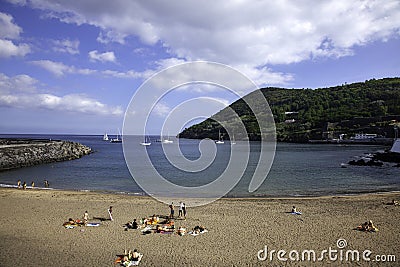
pixel 197 233
pixel 147 228
pixel 93 224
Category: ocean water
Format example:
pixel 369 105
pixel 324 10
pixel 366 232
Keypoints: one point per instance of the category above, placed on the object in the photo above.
pixel 297 169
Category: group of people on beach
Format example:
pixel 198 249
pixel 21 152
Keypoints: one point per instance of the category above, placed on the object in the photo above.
pixel 24 185
pixel 182 210
pixel 85 220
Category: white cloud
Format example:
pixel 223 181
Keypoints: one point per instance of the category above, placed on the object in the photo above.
pixel 102 57
pixel 8 49
pixel 8 32
pixel 7 28
pixel 16 84
pixel 20 92
pixel 59 69
pixel 130 74
pixel 257 35
pixel 161 109
pixel 111 37
pixel 66 46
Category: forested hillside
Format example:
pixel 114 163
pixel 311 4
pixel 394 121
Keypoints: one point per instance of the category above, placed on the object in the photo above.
pixel 372 106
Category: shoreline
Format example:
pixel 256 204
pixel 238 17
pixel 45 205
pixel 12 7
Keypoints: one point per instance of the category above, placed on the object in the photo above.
pixel 139 194
pixel 32 231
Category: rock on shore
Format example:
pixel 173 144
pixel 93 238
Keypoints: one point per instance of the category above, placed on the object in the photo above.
pixel 17 153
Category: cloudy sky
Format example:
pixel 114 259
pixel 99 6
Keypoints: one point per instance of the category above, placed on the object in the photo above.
pixel 73 66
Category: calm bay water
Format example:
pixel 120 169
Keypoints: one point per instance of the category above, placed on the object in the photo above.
pixel 297 170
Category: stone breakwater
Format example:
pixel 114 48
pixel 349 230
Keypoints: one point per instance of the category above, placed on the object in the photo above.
pixel 17 153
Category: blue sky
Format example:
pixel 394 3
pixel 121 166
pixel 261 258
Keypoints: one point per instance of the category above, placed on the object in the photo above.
pixel 73 66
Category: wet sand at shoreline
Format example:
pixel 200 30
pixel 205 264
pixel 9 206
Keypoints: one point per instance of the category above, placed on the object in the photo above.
pixel 32 233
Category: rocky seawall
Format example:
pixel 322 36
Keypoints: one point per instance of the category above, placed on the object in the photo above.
pixel 17 153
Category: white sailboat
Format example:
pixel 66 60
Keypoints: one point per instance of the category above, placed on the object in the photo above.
pixel 167 141
pixel 117 139
pixel 219 141
pixel 105 137
pixel 233 142
pixel 146 142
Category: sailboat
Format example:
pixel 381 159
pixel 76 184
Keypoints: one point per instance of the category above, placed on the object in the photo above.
pixel 167 141
pixel 220 141
pixel 146 142
pixel 233 142
pixel 116 140
pixel 105 137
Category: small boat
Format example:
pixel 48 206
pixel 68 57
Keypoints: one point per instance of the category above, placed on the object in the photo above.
pixel 233 142
pixel 117 139
pixel 220 141
pixel 146 142
pixel 167 141
pixel 105 137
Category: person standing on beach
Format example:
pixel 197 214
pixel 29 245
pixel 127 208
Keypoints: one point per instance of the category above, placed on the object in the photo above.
pixel 46 184
pixel 32 184
pixel 184 210
pixel 172 211
pixel 19 184
pixel 180 209
pixel 85 217
pixel 24 185
pixel 110 213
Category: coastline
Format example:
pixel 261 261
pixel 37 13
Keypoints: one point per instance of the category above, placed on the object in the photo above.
pixel 239 228
pixel 244 197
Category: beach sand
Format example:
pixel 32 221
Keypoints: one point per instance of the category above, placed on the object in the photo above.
pixel 32 234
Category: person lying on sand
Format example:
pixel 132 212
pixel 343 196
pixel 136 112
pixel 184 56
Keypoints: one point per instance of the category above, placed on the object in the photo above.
pixel 181 231
pixel 153 220
pixel 130 258
pixel 367 227
pixel 164 229
pixel 72 222
pixel 294 211
pixel 168 222
pixel 131 225
pixel 199 229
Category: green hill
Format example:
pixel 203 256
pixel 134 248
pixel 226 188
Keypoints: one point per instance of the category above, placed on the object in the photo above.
pixel 372 106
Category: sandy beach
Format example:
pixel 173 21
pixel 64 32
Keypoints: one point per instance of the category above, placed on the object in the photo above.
pixel 32 232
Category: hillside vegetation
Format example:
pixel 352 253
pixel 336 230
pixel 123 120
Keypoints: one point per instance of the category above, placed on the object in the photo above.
pixel 372 106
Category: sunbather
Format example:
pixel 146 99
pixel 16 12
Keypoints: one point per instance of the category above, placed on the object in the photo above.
pixel 181 231
pixel 368 227
pixel 135 255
